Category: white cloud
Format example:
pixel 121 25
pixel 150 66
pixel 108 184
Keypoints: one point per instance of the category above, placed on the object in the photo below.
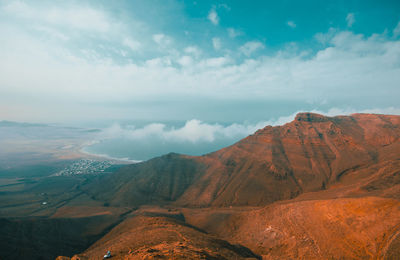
pixel 216 62
pixel 350 19
pixel 185 61
pixel 233 33
pixel 213 16
pixel 158 38
pixel 216 43
pixel 56 76
pixel 158 63
pixel 83 18
pixel 351 64
pixel 291 24
pixel 396 30
pixel 19 8
pixel 193 131
pixel 162 40
pixel 52 32
pixel 193 50
pixel 132 44
pixel 250 47
pixel 325 38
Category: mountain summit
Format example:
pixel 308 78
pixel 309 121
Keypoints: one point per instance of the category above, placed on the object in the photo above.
pixel 312 153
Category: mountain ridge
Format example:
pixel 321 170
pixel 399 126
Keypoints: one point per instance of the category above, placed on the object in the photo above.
pixel 308 154
pixel 315 188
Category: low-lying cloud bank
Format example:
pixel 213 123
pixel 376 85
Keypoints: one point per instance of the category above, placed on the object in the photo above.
pixel 194 137
pixel 134 144
pixel 194 131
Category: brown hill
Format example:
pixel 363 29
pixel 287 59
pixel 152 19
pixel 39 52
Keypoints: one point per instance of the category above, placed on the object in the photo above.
pixel 162 237
pixel 316 188
pixel 157 181
pixel 311 153
pixel 346 228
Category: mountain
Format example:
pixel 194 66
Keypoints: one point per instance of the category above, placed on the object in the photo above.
pixel 355 155
pixel 316 188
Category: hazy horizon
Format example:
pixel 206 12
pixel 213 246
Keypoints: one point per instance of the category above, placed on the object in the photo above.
pixel 191 76
pixel 132 141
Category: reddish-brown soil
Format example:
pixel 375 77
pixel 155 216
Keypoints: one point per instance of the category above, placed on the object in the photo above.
pixel 346 228
pixel 149 237
pixel 353 228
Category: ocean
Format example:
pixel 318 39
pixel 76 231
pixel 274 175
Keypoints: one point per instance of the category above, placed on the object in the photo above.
pixel 193 137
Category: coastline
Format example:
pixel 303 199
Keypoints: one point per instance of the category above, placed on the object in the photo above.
pixel 106 157
pixel 77 150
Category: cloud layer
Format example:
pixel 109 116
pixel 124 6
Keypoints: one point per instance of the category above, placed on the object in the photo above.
pixel 194 137
pixel 79 61
pixel 193 131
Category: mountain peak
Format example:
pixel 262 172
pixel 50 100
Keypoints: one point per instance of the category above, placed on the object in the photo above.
pixel 311 117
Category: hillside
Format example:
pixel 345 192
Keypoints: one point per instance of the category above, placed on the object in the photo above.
pixel 316 188
pixel 346 228
pixel 348 155
pixel 160 236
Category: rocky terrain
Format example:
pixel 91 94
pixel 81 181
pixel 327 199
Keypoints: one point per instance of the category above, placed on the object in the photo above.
pixel 316 188
pixel 348 155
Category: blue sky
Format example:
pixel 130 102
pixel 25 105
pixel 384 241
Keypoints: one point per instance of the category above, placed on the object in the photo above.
pixel 215 61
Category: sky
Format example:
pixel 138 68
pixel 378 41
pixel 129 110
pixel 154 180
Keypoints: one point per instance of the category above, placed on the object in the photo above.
pixel 225 62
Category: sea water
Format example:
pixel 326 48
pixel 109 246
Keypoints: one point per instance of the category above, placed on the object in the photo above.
pixel 141 143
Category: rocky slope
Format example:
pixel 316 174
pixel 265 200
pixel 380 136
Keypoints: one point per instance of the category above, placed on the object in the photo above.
pixel 158 236
pixel 346 228
pixel 311 153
